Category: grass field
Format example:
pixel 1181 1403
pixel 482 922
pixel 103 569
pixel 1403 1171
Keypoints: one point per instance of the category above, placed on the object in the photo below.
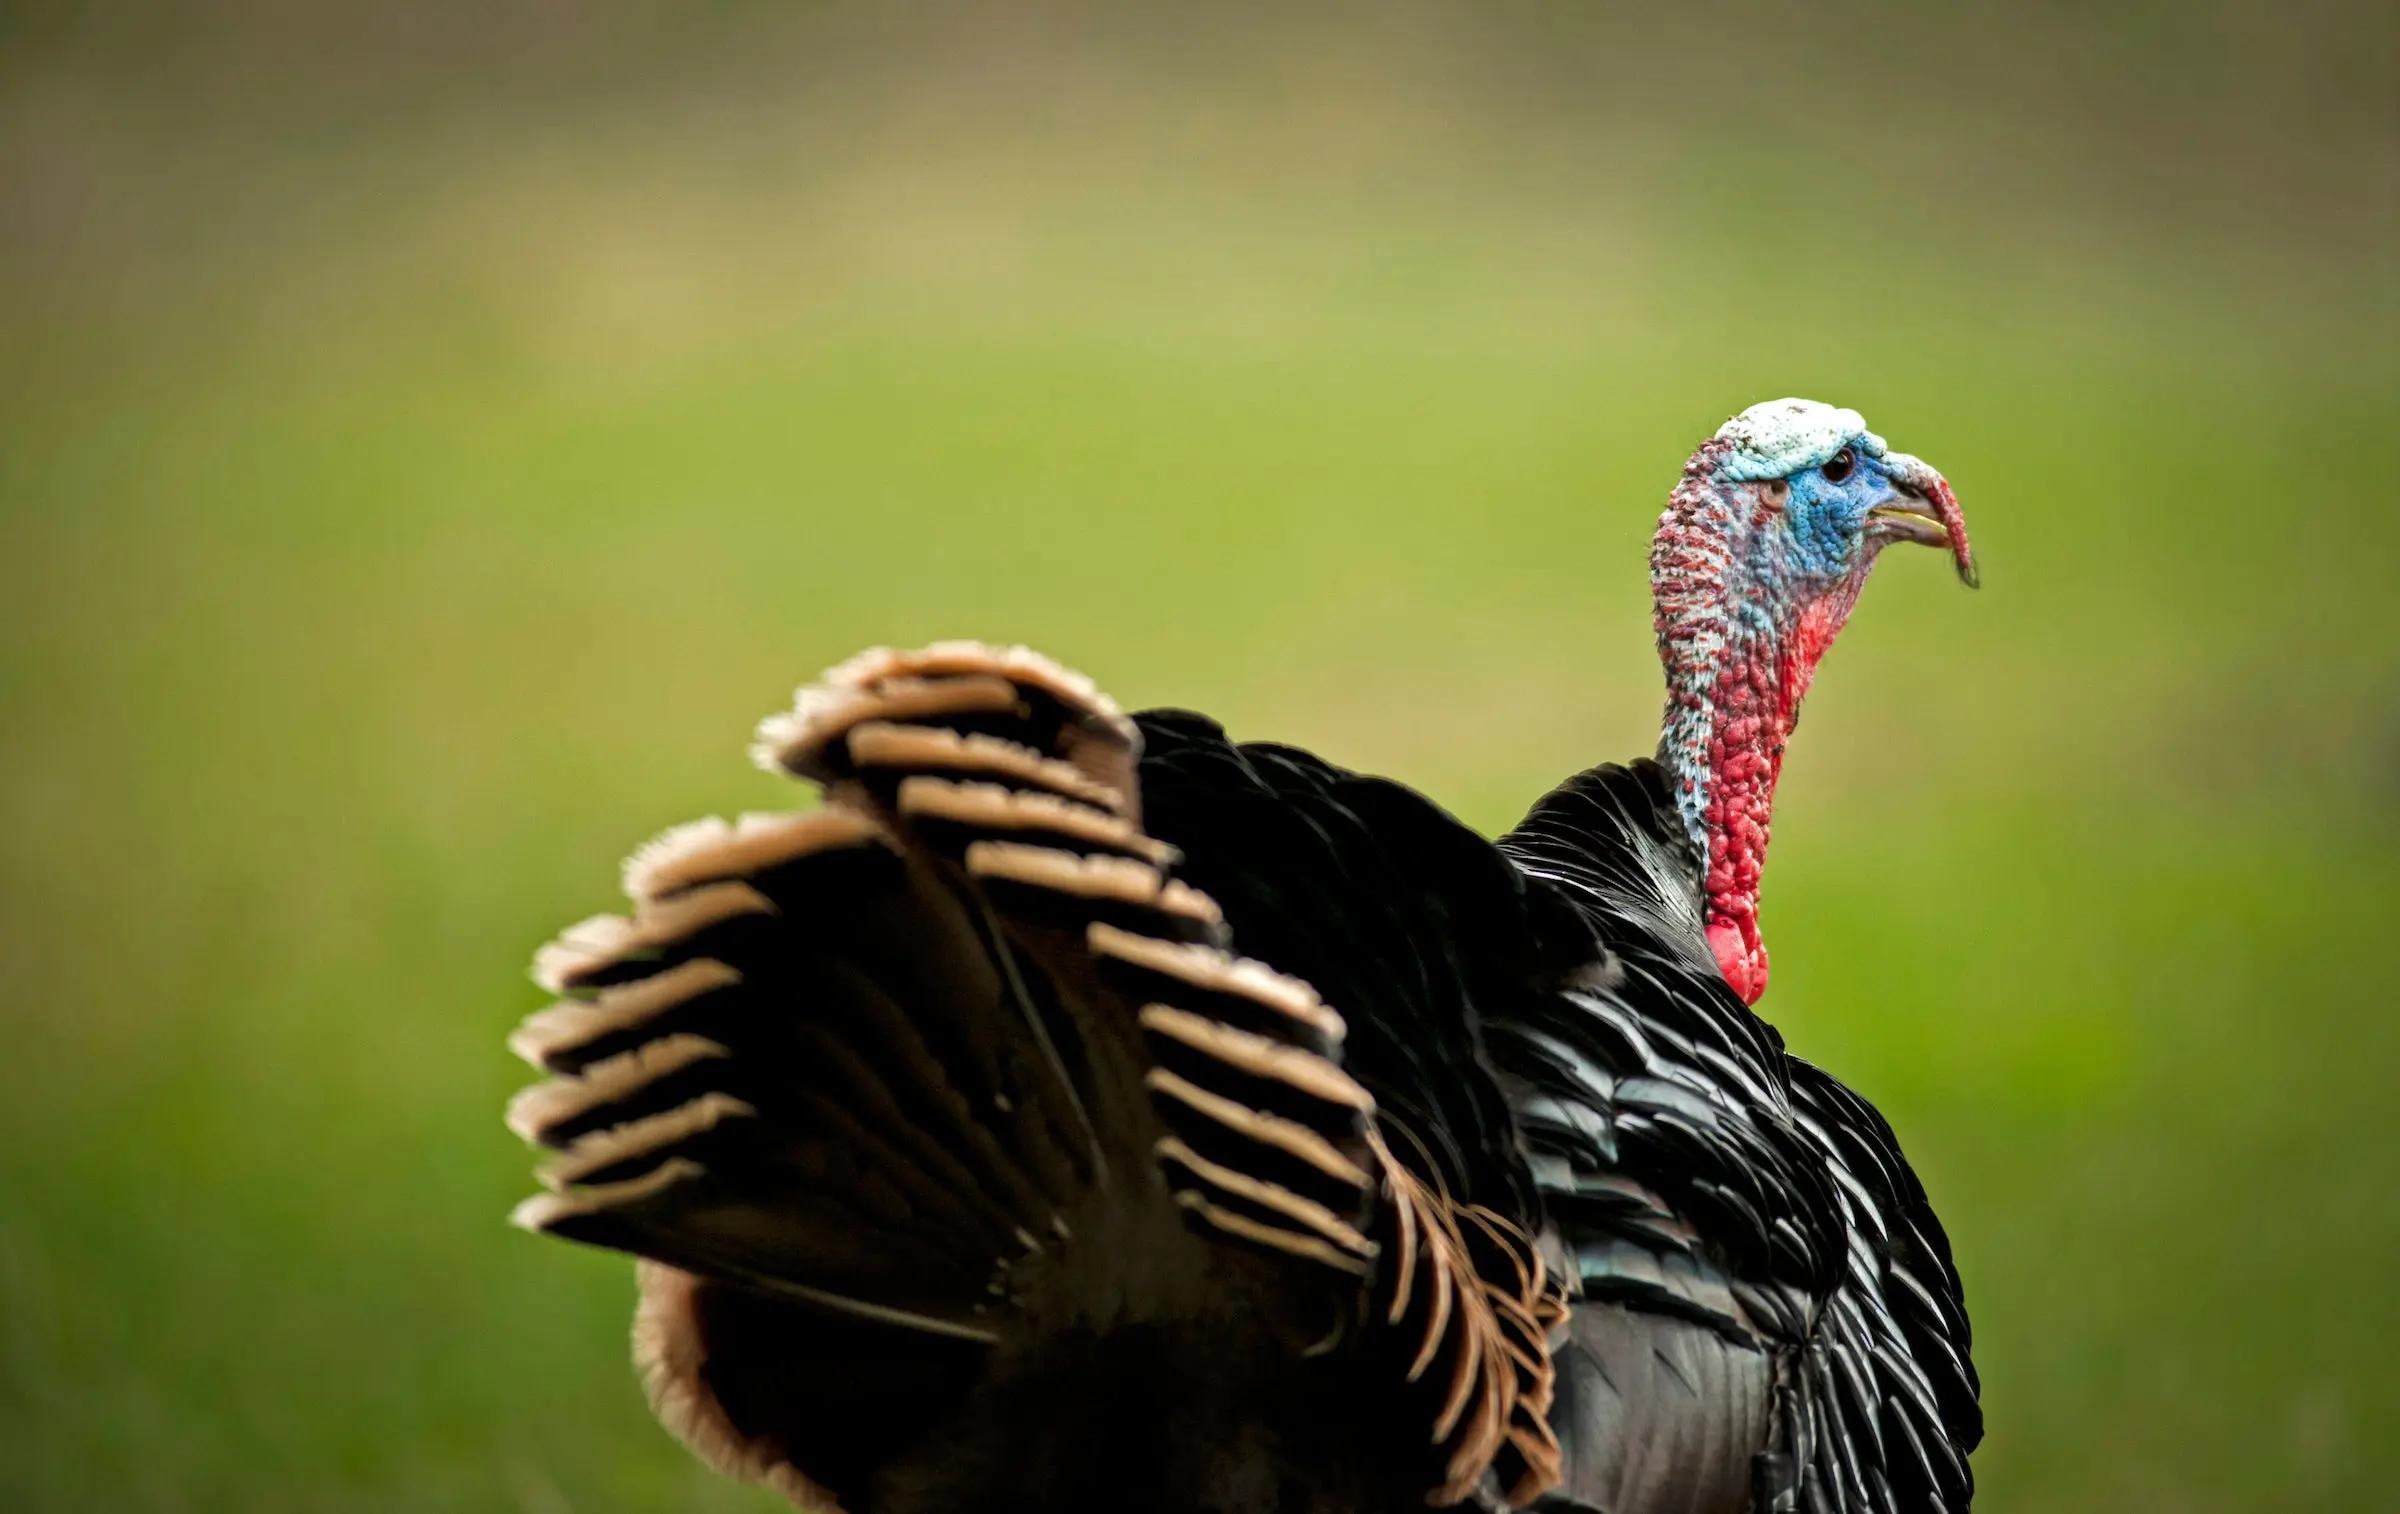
pixel 405 506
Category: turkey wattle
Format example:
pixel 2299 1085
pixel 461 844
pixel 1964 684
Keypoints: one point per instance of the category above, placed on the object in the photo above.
pixel 971 1169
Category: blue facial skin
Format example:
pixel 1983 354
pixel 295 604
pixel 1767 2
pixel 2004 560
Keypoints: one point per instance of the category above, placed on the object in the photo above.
pixel 1826 523
pixel 1816 540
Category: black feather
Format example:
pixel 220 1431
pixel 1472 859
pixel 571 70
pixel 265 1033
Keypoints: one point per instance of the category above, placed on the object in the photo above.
pixel 1790 1181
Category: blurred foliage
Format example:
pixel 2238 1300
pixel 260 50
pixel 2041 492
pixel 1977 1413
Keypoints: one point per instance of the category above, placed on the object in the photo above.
pixel 430 435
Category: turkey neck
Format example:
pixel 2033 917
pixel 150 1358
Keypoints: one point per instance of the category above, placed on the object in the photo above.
pixel 1740 639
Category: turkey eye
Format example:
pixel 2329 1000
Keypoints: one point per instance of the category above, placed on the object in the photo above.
pixel 1838 466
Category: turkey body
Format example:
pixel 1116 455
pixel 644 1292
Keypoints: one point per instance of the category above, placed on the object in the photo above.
pixel 971 1174
pixel 1767 1313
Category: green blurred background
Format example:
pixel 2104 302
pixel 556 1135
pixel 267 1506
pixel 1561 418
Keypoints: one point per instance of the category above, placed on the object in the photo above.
pixel 431 435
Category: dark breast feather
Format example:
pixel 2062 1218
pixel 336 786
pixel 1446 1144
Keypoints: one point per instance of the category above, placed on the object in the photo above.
pixel 1894 1337
pixel 1693 1168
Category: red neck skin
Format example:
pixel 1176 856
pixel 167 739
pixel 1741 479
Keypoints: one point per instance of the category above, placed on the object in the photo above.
pixel 1755 703
pixel 1740 635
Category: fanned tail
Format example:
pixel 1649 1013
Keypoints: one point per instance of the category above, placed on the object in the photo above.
pixel 885 1090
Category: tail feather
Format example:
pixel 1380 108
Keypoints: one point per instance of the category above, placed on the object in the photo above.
pixel 574 1033
pixel 1005 696
pixel 949 815
pixel 879 749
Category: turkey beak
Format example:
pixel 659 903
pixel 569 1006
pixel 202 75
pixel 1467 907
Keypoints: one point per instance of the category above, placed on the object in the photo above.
pixel 1926 512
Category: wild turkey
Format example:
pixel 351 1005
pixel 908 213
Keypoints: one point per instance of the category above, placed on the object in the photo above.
pixel 971 1170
